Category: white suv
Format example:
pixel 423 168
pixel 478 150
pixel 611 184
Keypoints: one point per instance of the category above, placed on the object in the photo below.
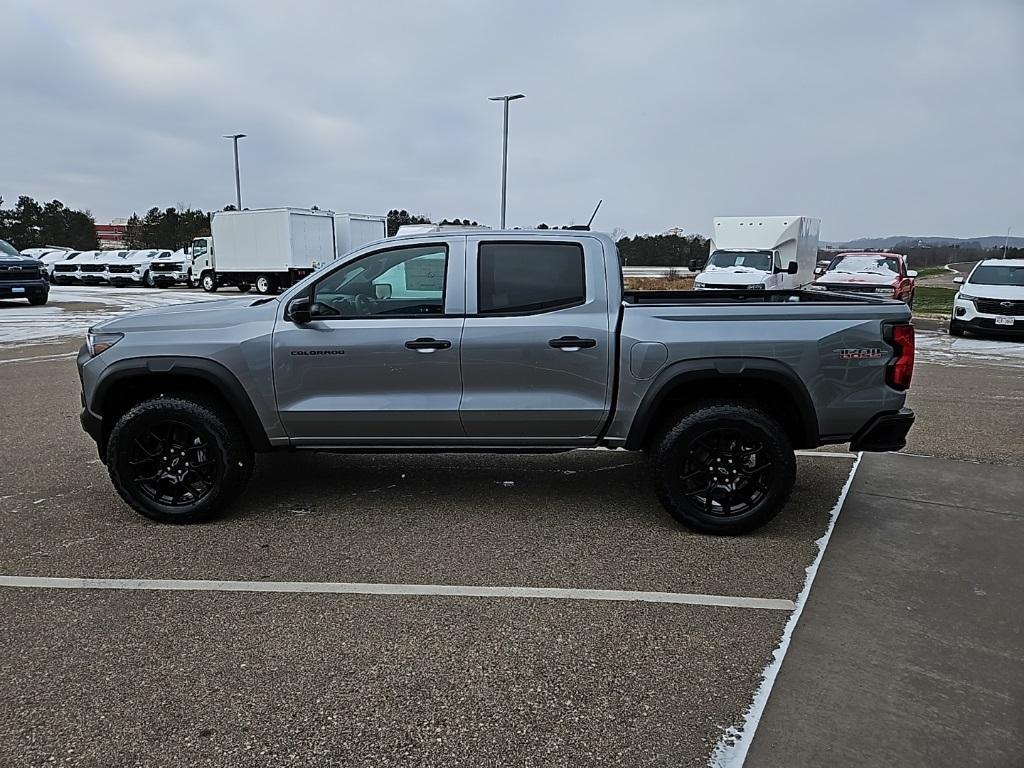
pixel 991 298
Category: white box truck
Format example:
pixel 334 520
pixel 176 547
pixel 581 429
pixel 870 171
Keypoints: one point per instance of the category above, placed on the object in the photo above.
pixel 760 253
pixel 273 248
pixel 354 230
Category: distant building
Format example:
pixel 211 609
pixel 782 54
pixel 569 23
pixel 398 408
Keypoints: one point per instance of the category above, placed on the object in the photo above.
pixel 111 236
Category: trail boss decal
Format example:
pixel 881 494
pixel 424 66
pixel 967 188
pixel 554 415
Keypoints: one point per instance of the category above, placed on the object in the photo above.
pixel 869 353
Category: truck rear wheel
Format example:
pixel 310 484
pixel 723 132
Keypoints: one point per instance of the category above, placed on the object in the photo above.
pixel 178 459
pixel 723 468
pixel 266 284
pixel 208 282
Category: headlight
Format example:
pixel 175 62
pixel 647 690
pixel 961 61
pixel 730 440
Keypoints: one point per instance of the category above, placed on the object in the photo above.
pixel 814 287
pixel 965 297
pixel 101 342
pixel 698 286
pixel 138 269
pixel 755 287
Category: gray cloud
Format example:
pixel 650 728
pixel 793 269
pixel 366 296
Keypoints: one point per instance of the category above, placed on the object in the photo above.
pixel 881 118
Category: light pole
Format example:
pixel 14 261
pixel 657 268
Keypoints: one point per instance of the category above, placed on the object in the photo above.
pixel 238 184
pixel 504 148
pixel 1006 242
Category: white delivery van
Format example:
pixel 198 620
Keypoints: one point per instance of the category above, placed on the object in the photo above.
pixel 760 253
pixel 354 230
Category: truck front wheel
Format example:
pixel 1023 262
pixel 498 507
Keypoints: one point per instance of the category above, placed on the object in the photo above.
pixel 208 282
pixel 723 468
pixel 178 459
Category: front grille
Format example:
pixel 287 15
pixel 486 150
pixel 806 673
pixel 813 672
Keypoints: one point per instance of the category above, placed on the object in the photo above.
pixel 1000 307
pixel 19 273
pixel 66 268
pixel 165 267
pixel 852 288
pixel 94 268
pixel 121 269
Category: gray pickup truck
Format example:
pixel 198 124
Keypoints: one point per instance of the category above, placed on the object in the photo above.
pixel 513 341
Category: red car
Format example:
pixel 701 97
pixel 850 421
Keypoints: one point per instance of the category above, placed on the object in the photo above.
pixel 883 274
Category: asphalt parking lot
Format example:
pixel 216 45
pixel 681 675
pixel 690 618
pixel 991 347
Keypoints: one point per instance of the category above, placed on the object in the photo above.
pixel 582 675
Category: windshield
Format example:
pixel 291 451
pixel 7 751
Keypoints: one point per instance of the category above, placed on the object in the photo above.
pixel 997 275
pixel 8 249
pixel 875 265
pixel 759 260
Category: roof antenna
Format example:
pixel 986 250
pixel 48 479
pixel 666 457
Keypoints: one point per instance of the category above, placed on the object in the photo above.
pixel 586 227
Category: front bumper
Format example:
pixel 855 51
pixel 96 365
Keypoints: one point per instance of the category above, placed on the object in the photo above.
pixel 885 432
pixel 22 289
pixel 169 278
pixel 92 423
pixel 125 279
pixel 967 316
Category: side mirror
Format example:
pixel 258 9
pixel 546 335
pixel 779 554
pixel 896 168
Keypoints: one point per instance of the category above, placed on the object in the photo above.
pixel 793 268
pixel 693 265
pixel 299 311
pixel 958 280
pixel 819 270
pixel 382 290
pixel 911 273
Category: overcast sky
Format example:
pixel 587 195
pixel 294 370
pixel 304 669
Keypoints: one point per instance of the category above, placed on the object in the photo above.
pixel 881 118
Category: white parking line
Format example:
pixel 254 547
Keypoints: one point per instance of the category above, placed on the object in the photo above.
pixel 828 454
pixel 39 358
pixel 433 590
pixel 732 748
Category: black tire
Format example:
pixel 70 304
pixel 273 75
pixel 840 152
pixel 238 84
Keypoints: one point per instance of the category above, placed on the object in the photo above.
pixel 147 280
pixel 149 443
pixel 743 455
pixel 910 301
pixel 244 287
pixel 266 284
pixel 208 282
pixel 955 328
pixel 38 301
pixel 190 280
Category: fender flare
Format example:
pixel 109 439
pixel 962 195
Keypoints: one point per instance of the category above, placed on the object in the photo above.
pixel 733 368
pixel 208 371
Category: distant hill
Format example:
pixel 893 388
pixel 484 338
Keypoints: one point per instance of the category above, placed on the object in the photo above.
pixel 990 241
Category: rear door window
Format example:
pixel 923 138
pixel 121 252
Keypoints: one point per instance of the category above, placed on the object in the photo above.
pixel 528 278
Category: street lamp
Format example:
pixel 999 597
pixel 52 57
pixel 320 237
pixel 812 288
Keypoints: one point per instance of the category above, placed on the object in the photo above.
pixel 238 184
pixel 1006 242
pixel 504 148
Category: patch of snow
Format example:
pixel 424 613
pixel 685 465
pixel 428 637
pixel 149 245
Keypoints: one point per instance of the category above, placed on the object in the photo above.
pixel 943 349
pixel 21 325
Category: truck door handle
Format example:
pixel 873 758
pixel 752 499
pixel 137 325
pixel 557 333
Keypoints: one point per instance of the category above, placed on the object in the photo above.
pixel 426 344
pixel 572 343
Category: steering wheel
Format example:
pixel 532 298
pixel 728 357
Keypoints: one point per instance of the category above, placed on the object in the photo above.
pixel 364 304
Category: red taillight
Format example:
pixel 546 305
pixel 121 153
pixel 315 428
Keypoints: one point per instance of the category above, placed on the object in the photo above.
pixel 901 369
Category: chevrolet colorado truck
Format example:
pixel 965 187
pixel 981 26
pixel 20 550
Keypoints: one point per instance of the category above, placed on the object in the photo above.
pixel 503 341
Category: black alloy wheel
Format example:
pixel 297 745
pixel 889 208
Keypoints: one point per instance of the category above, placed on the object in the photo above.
pixel 174 464
pixel 725 472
